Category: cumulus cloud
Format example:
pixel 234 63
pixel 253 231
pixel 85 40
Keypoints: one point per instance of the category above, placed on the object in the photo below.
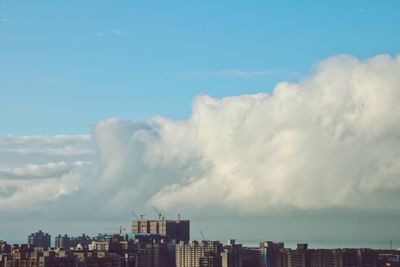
pixel 39 169
pixel 53 145
pixel 329 141
pixel 33 171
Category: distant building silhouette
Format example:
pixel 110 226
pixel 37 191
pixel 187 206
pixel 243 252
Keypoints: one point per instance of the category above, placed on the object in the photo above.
pixel 63 242
pixel 271 254
pixel 39 239
pixel 232 254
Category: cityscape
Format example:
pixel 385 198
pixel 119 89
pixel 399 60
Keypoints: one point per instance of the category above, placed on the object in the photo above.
pixel 166 243
pixel 262 133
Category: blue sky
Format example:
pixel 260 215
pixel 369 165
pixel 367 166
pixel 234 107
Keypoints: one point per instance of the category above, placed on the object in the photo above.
pixel 66 65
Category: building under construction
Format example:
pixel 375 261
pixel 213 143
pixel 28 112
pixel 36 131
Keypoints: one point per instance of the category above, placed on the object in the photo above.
pixel 178 230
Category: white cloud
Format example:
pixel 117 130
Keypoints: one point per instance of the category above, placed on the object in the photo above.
pixel 329 141
pixel 28 194
pixel 115 32
pixel 62 145
pixel 34 171
pixel 3 14
pixel 39 169
pixel 118 32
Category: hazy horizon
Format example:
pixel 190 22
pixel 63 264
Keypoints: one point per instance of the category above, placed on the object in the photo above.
pixel 255 120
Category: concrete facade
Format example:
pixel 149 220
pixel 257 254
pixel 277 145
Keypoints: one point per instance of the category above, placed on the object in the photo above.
pixel 178 230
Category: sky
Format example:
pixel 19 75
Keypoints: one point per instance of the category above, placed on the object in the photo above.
pixel 66 66
pixel 278 115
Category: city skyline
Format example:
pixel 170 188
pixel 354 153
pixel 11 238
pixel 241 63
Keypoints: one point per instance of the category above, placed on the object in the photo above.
pixel 278 119
pixel 175 231
pixel 157 247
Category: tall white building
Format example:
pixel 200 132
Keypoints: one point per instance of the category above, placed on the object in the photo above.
pixel 189 254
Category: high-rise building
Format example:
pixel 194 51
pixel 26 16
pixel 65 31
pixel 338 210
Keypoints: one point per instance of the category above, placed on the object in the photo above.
pixel 211 259
pixel 39 239
pixel 152 255
pixel 321 258
pixel 232 254
pixel 349 257
pixel 250 256
pixel 367 257
pixel 63 242
pixel 178 230
pixel 300 256
pixel 189 254
pixel 271 254
pixel 82 241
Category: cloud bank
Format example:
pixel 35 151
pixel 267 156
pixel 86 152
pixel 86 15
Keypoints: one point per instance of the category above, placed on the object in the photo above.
pixel 331 140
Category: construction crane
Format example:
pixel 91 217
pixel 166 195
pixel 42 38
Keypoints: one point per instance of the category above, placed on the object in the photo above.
pixel 134 214
pixel 204 239
pixel 137 217
pixel 158 213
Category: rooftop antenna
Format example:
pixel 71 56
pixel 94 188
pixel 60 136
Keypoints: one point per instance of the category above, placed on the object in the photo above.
pixel 121 229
